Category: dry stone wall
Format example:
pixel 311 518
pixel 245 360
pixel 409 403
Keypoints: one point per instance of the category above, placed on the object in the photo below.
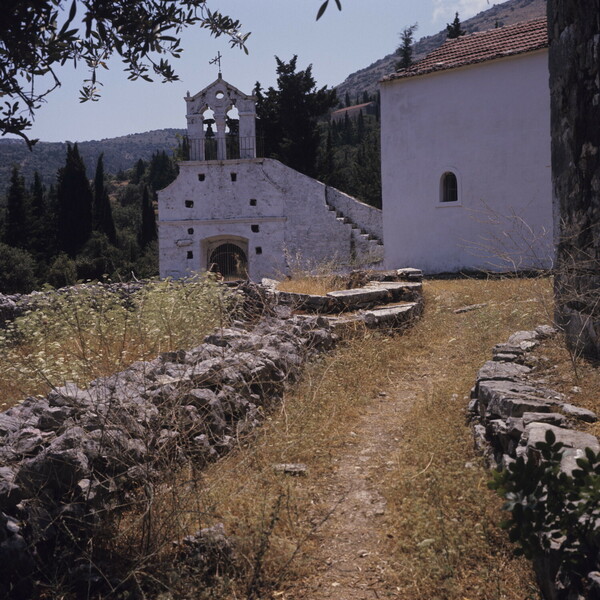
pixel 510 413
pixel 71 458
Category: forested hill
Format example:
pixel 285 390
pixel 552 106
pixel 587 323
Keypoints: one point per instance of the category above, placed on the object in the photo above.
pixel 507 13
pixel 120 153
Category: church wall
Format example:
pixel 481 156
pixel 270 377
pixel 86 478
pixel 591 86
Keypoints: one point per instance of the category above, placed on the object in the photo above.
pixel 281 214
pixel 489 125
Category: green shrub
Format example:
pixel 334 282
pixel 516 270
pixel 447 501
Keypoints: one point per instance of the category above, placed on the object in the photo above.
pixel 17 270
pixel 552 508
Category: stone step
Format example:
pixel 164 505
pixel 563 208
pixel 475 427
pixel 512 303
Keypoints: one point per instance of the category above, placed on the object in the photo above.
pixel 393 316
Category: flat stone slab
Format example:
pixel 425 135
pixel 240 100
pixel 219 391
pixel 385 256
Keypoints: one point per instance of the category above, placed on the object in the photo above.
pixel 305 301
pixel 512 399
pixel 583 414
pixel 575 443
pixel 493 370
pixel 551 418
pixel 391 316
pixel 410 274
pixel 357 298
pixel 398 290
pixel 295 469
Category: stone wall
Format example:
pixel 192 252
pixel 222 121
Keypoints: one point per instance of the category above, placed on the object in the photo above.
pixel 510 412
pixel 69 460
pixel 282 219
pixel 574 35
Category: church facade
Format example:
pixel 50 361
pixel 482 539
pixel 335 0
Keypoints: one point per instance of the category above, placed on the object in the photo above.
pixel 465 150
pixel 241 215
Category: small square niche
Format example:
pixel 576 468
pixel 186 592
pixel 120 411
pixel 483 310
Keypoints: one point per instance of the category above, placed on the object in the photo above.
pixel 201 176
pixel 190 254
pixel 189 204
pixel 258 250
pixel 255 228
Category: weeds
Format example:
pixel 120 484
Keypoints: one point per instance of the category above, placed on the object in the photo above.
pixel 83 333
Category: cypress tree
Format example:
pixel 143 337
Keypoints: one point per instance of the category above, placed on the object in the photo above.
pixel 17 226
pixel 406 47
pixel 148 228
pixel 102 213
pixel 288 116
pixel 74 199
pixel 454 29
pixel 40 225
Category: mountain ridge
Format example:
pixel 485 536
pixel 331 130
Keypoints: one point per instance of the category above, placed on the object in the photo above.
pixel 506 13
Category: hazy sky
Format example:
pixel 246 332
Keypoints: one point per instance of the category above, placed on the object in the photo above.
pixel 337 45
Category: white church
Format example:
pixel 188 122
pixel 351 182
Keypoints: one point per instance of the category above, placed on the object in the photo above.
pixel 465 155
pixel 466 179
pixel 245 216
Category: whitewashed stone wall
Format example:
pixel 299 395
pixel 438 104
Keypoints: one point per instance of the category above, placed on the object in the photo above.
pixel 489 124
pixel 284 219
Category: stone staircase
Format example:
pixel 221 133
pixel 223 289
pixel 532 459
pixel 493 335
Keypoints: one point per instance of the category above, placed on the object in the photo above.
pixel 391 299
pixel 364 243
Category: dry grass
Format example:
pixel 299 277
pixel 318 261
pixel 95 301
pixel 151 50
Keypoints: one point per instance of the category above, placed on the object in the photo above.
pixel 304 283
pixel 86 333
pixel 441 525
pixel 446 541
pixel 440 530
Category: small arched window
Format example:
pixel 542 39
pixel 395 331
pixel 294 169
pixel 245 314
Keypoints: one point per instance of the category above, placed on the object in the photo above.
pixel 449 187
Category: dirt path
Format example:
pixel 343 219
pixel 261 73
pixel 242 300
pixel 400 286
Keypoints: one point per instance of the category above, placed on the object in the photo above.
pixel 349 563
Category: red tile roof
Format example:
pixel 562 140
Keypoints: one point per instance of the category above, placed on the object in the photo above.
pixel 480 47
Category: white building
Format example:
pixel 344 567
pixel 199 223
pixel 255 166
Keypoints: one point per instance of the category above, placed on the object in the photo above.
pixel 466 155
pixel 246 216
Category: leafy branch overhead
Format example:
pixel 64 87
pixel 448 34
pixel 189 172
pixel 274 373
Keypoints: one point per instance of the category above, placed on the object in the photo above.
pixel 323 8
pixel 38 36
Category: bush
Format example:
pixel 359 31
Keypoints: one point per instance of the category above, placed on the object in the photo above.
pixel 551 509
pixel 17 270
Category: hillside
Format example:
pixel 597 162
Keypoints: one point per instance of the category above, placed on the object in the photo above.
pixel 47 157
pixel 506 13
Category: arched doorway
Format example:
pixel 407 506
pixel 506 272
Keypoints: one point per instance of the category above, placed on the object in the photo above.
pixel 229 260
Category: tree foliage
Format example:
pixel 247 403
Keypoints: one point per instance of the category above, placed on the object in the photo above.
pixel 102 213
pixel 17 212
pixel 405 50
pixel 549 507
pixel 38 36
pixel 288 116
pixel 74 210
pixel 454 29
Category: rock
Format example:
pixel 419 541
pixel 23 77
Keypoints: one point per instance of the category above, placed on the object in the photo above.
pixel 551 418
pixel 357 298
pixel 576 412
pixel 296 469
pixel 593 579
pixel 392 316
pixel 53 417
pixel 545 331
pixel 209 551
pixel 493 370
pixel 409 274
pixel 26 441
pixel 519 337
pixel 512 399
pixel 575 443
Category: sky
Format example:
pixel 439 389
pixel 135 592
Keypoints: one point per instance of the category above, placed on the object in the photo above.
pixel 336 45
